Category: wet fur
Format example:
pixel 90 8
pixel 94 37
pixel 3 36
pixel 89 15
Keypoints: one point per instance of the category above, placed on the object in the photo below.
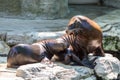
pixel 25 54
pixel 88 36
pixel 83 36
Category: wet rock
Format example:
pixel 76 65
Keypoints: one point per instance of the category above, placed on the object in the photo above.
pixel 43 71
pixel 111 31
pixel 4 48
pixel 107 67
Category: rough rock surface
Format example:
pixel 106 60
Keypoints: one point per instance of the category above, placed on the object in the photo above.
pixel 42 9
pixel 11 7
pixel 31 37
pixel 113 3
pixel 43 71
pixel 13 39
pixel 45 9
pixel 4 48
pixel 83 1
pixel 3 36
pixel 107 67
pixel 110 24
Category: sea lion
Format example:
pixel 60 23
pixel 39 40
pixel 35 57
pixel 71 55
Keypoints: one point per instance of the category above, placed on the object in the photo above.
pixel 83 36
pixel 88 36
pixel 24 54
pixel 43 50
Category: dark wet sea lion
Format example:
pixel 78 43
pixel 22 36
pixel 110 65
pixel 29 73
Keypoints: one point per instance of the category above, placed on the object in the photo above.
pixel 42 51
pixel 83 36
pixel 88 36
pixel 23 53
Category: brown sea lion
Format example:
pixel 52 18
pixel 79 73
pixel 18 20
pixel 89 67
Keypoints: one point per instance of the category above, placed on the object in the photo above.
pixel 24 54
pixel 83 36
pixel 88 36
pixel 42 51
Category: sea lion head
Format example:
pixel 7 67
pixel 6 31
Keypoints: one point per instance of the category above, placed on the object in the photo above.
pixel 81 25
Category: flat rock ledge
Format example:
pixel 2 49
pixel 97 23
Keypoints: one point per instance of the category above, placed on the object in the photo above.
pixel 40 71
pixel 106 68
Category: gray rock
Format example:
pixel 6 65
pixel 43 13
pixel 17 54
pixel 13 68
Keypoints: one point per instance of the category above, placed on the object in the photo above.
pixel 90 78
pixel 11 7
pixel 45 35
pixel 107 67
pixel 4 48
pixel 83 1
pixel 3 36
pixel 30 37
pixel 45 9
pixel 113 3
pixel 30 9
pixel 110 24
pixel 13 39
pixel 42 71
pixel 84 72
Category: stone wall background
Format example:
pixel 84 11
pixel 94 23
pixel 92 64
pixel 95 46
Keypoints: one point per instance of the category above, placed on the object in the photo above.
pixel 41 9
pixel 44 9
pixel 113 3
pixel 12 6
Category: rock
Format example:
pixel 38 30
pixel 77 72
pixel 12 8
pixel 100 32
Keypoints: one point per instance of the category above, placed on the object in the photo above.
pixel 10 8
pixel 8 73
pixel 83 1
pixel 111 31
pixel 3 36
pixel 107 67
pixel 30 9
pixel 4 48
pixel 30 37
pixel 39 71
pixel 84 72
pixel 45 35
pixel 113 3
pixel 13 39
pixel 45 9
pixel 90 78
